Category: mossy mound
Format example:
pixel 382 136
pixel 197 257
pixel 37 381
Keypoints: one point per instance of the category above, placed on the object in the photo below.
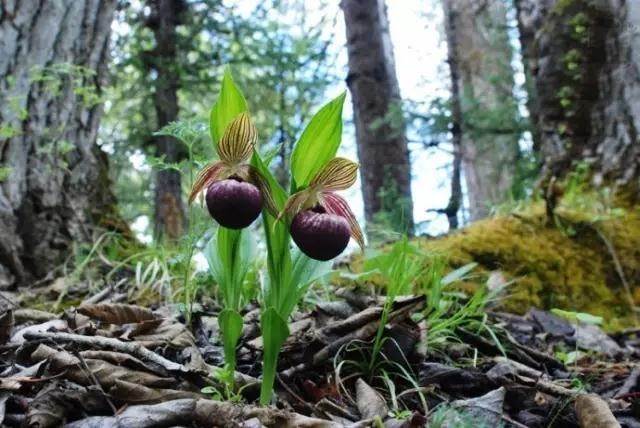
pixel 577 263
pixel 569 265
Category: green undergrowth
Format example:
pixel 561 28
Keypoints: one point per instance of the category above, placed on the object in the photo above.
pixel 580 262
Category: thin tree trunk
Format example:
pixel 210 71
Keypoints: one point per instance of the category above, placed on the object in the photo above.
pixel 526 34
pixel 489 141
pixel 455 198
pixel 170 219
pixel 380 130
pixel 585 62
pixel 55 188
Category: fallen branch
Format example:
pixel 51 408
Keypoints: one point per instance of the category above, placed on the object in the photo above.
pixel 137 350
pixel 132 348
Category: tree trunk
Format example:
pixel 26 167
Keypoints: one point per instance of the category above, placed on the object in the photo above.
pixel 455 198
pixel 585 62
pixel 526 34
pixel 490 131
pixel 165 16
pixel 380 128
pixel 55 188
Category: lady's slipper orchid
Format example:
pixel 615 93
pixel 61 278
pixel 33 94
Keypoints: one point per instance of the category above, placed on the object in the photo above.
pixel 322 221
pixel 235 190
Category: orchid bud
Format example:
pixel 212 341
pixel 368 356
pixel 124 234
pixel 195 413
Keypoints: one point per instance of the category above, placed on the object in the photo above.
pixel 233 203
pixel 235 191
pixel 320 235
pixel 322 221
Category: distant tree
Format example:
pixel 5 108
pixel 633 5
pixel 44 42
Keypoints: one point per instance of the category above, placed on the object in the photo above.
pixel 55 188
pixel 284 68
pixel 489 124
pixel 162 61
pixel 455 197
pixel 380 128
pixel 584 58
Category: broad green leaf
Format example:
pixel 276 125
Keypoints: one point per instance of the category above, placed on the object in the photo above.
pixel 578 316
pixel 318 143
pixel 274 332
pixel 276 237
pixel 304 272
pixel 230 255
pixel 230 323
pixel 279 194
pixel 230 103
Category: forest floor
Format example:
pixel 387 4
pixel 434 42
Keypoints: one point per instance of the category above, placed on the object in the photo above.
pixel 106 363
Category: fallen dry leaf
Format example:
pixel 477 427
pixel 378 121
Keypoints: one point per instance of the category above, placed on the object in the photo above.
pixel 117 313
pixel 370 402
pixel 593 412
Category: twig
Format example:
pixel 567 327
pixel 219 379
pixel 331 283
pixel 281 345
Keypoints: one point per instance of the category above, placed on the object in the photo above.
pixel 512 421
pixel 8 300
pixel 283 384
pixel 629 383
pixel 132 348
pixel 619 270
pixel 95 380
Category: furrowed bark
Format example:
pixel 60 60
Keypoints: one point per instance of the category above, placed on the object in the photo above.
pixel 56 189
pixel 170 219
pixel 584 57
pixel 380 130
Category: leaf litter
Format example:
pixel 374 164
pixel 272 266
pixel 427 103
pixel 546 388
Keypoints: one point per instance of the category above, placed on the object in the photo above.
pixel 109 364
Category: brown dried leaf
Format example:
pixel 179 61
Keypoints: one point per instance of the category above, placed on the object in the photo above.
pixel 370 402
pixel 133 393
pixel 10 384
pixel 117 313
pixel 62 400
pixel 168 333
pixel 122 359
pixel 106 373
pixel 593 412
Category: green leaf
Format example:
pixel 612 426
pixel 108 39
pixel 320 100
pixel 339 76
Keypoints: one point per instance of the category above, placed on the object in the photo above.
pixel 230 323
pixel 276 237
pixel 230 103
pixel 230 255
pixel 304 272
pixel 458 274
pixel 274 332
pixel 318 143
pixel 578 317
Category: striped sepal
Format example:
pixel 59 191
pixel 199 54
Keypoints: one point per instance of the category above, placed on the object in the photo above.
pixel 208 175
pixel 337 174
pixel 238 141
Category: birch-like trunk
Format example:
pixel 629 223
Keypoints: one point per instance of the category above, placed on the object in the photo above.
pixel 489 134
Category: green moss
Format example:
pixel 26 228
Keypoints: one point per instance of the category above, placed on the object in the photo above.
pixel 568 267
